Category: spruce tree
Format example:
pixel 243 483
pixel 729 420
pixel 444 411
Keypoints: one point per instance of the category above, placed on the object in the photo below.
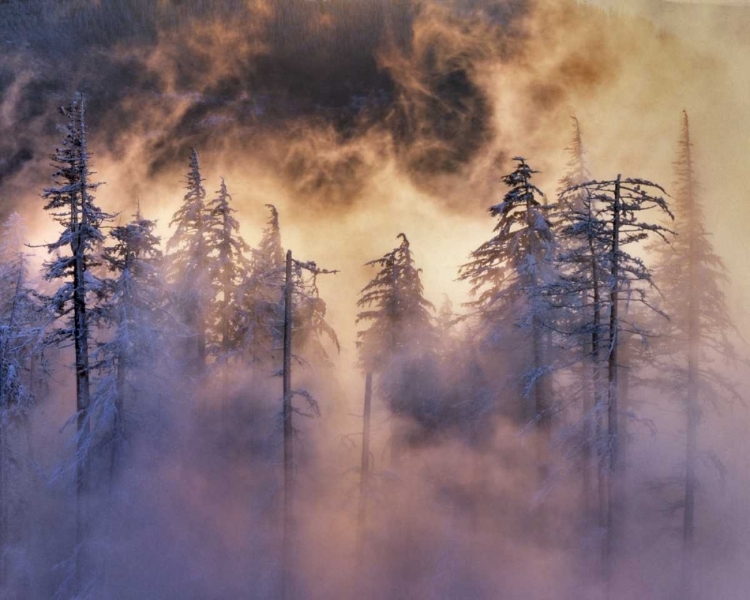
pixel 576 294
pixel 399 345
pixel 696 343
pixel 605 216
pixel 260 313
pixel 394 306
pixel 190 266
pixel 71 203
pixel 228 270
pixel 133 310
pixel 508 275
pixel 22 323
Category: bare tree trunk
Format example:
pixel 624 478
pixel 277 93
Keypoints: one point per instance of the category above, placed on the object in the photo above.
pixel 364 478
pixel 201 337
pixel 691 452
pixel 288 565
pixel 595 419
pixel 612 462
pixel 588 435
pixel 623 441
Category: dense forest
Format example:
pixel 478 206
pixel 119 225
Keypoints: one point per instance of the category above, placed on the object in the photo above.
pixel 399 300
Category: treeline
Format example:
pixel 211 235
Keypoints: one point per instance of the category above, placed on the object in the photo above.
pixel 576 301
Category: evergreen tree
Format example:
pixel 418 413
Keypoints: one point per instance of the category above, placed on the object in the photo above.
pixel 608 220
pixel 260 310
pixel 576 294
pixel 228 269
pixel 508 275
pixel 399 316
pixel 22 323
pixel 133 310
pixel 71 203
pixel 399 346
pixel 695 344
pixel 190 265
pixel 260 296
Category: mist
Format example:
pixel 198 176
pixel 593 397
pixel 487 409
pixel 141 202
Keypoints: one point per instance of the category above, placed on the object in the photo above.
pixel 360 121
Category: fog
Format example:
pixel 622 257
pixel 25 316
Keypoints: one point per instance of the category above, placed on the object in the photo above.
pixel 360 121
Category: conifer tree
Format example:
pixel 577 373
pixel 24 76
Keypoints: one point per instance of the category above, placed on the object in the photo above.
pixel 393 303
pixel 300 294
pixel 398 347
pixel 696 342
pixel 190 266
pixel 133 309
pixel 508 274
pixel 71 203
pixel 22 323
pixel 260 312
pixel 576 294
pixel 260 304
pixel 608 219
pixel 228 269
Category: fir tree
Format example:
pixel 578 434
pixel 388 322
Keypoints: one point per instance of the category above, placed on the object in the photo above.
pixel 576 294
pixel 71 203
pixel 22 324
pixel 508 275
pixel 696 342
pixel 608 219
pixel 133 309
pixel 399 346
pixel 228 269
pixel 393 303
pixel 190 265
pixel 260 304
pixel 260 312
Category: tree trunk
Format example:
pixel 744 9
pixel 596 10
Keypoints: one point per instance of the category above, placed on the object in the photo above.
pixel 594 426
pixel 612 458
pixel 623 442
pixel 364 478
pixel 288 565
pixel 83 398
pixel 588 400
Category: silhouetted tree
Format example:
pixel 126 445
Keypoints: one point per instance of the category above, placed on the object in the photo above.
pixel 398 314
pixel 695 346
pixel 399 347
pixel 260 312
pixel 71 203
